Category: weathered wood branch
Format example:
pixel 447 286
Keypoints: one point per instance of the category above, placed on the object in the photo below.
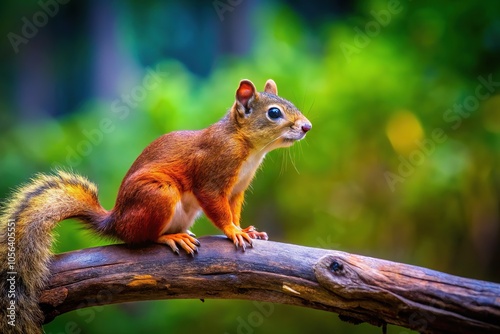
pixel 358 288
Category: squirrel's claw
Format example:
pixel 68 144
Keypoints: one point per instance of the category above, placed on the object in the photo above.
pixel 254 234
pixel 184 240
pixel 242 238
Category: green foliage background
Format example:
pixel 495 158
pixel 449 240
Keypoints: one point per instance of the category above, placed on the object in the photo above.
pixel 331 190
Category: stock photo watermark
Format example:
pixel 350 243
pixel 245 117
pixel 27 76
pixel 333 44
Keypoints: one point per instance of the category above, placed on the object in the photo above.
pixel 365 35
pixel 327 243
pixel 421 320
pixel 255 319
pixel 221 7
pixel 263 310
pixel 87 310
pixel 11 273
pixel 30 26
pixel 120 108
pixel 454 117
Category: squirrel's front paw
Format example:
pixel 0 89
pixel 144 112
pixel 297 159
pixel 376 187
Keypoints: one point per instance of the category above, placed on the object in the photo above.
pixel 243 237
pixel 254 234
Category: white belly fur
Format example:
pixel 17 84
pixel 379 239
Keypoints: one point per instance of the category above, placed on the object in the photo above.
pixel 247 171
pixel 188 209
pixel 186 212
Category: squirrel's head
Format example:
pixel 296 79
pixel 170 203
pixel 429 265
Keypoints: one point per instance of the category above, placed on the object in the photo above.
pixel 266 119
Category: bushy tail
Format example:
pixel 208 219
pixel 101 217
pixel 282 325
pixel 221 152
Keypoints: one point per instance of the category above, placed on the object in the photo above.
pixel 26 222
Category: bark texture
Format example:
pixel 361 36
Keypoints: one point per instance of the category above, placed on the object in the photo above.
pixel 358 288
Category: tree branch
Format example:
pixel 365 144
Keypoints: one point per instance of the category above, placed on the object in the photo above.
pixel 358 288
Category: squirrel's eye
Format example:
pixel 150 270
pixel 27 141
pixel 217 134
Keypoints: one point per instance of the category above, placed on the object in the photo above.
pixel 274 113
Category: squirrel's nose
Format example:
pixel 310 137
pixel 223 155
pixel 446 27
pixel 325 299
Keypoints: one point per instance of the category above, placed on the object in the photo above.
pixel 306 127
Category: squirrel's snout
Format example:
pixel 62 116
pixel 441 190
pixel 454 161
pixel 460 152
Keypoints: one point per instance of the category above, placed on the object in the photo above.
pixel 306 127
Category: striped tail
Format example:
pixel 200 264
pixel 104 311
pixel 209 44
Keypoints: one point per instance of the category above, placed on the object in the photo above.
pixel 26 223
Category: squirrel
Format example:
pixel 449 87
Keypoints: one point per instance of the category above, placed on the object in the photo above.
pixel 173 180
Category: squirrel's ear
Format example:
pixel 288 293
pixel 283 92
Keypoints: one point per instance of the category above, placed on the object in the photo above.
pixel 271 87
pixel 245 92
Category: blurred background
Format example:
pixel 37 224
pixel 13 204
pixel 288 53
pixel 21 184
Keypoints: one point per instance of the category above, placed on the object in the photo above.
pixel 402 162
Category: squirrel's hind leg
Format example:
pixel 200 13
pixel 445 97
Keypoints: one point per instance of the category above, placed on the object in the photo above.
pixel 184 240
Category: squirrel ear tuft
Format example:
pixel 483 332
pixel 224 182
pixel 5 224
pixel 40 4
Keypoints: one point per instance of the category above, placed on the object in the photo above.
pixel 271 87
pixel 245 92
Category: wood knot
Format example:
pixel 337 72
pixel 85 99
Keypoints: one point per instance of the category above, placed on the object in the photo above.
pixel 333 272
pixel 336 267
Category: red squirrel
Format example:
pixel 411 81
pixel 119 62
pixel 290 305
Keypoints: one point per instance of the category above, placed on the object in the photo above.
pixel 173 180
